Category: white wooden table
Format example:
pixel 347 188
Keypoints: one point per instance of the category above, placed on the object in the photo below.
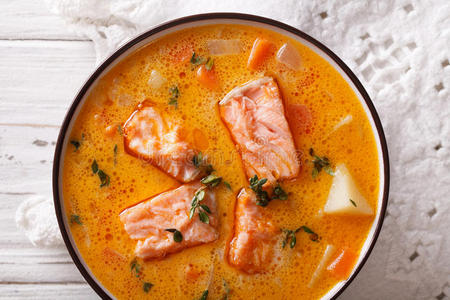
pixel 42 64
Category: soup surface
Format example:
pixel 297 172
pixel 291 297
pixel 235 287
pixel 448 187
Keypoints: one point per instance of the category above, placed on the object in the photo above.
pixel 101 178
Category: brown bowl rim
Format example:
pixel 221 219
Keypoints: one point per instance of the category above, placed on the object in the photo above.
pixel 195 18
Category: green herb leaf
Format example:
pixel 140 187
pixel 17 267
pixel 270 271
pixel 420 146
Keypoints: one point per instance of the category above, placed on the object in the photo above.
pixel 200 195
pixel 320 163
pixel 202 209
pixel 262 197
pixel 209 64
pixel 177 236
pixel 94 166
pixel 353 202
pixel 174 95
pixel 135 268
pixel 312 235
pixel 306 229
pixel 146 286
pixel 204 295
pixel 208 169
pixel 119 129
pixel 227 290
pixel 104 178
pixel 76 144
pixel 196 59
pixel 115 154
pixel 293 241
pixel 205 208
pixel 287 235
pixel 203 217
pixel 197 160
pixel 200 163
pixel 227 184
pixel 75 219
pixel 211 180
pixel 279 193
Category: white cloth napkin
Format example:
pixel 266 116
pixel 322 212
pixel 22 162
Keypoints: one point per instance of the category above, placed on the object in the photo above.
pixel 400 51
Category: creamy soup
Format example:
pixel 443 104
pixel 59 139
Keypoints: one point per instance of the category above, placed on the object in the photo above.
pixel 249 147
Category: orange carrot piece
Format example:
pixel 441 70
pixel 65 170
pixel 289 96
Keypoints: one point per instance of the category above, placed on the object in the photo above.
pixel 342 266
pixel 260 51
pixel 207 77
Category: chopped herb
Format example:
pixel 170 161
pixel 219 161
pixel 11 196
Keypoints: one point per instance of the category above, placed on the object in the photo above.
pixel 200 163
pixel 208 168
pixel 75 219
pixel 197 160
pixel 177 236
pixel 146 286
pixel 227 184
pixel 135 268
pixel 312 235
pixel 227 290
pixel 290 235
pixel 319 164
pixel 279 193
pixel 115 154
pixel 204 295
pixel 174 95
pixel 94 166
pixel 196 59
pixel 104 178
pixel 203 217
pixel 211 180
pixel 262 197
pixel 353 202
pixel 76 144
pixel 203 209
pixel 119 129
pixel 209 64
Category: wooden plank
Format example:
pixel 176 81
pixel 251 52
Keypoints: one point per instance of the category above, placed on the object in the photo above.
pixel 26 157
pixel 42 291
pixel 38 80
pixel 30 19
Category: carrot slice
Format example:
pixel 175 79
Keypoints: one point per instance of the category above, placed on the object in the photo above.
pixel 207 77
pixel 342 266
pixel 260 51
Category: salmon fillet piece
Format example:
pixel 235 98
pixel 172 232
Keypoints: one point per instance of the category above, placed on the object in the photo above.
pixel 152 136
pixel 147 222
pixel 254 115
pixel 251 248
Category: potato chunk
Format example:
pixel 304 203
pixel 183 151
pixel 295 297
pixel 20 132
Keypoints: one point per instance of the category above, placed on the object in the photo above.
pixel 344 196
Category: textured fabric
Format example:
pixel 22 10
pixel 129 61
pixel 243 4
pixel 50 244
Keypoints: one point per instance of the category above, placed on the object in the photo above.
pixel 400 51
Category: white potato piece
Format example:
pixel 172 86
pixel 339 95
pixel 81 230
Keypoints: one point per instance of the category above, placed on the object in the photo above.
pixel 329 251
pixel 224 47
pixel 290 57
pixel 344 121
pixel 156 80
pixel 344 197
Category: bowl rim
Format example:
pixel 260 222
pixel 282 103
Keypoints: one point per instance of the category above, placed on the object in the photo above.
pixel 204 17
